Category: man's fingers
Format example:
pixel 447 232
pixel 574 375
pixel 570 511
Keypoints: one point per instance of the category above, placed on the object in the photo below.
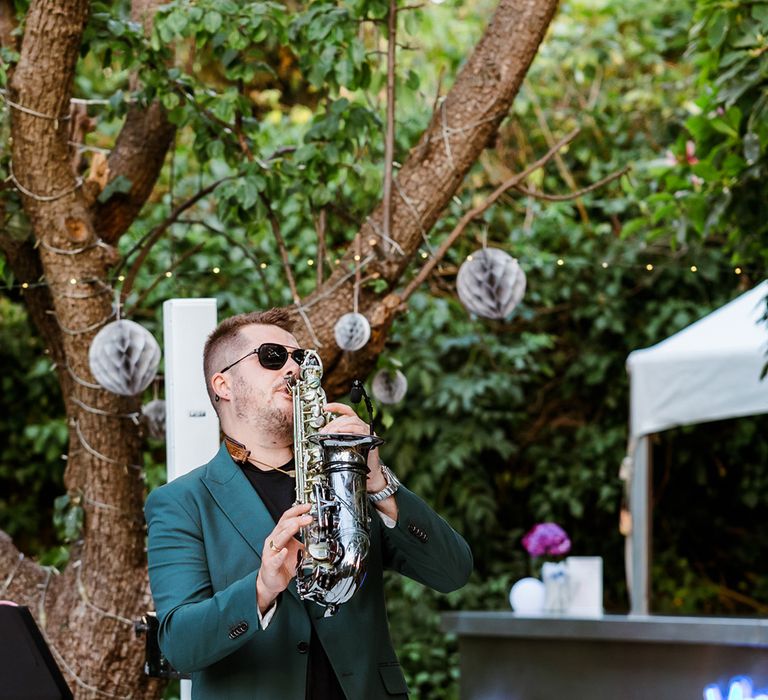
pixel 340 408
pixel 286 530
pixel 293 511
pixel 345 424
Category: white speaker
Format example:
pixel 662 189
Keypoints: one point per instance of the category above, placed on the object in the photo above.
pixel 192 427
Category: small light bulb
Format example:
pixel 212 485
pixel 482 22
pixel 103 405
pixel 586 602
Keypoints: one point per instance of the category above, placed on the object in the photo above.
pixel 649 267
pixel 336 262
pixel 25 285
pixel 560 262
pixel 263 266
pixel 357 258
pixel 169 274
pixel 121 278
pixel 738 270
pixel 424 255
pixel 310 262
pixel 372 241
pixel 694 268
pixel 216 270
pixel 469 257
pixel 605 264
pixel 73 281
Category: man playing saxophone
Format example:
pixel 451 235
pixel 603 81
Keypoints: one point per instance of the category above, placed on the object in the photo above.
pixel 222 544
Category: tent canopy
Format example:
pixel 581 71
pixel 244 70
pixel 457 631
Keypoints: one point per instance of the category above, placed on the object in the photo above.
pixel 708 371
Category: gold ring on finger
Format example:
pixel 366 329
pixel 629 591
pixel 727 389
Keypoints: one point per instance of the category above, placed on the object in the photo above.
pixel 272 546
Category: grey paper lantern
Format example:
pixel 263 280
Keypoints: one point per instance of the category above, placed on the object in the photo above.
pixel 491 284
pixel 154 418
pixel 389 386
pixel 124 357
pixel 352 331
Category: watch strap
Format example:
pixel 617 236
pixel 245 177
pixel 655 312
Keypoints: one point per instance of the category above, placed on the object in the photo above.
pixel 391 488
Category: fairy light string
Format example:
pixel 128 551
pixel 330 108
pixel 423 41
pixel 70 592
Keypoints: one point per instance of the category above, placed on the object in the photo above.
pixel 561 261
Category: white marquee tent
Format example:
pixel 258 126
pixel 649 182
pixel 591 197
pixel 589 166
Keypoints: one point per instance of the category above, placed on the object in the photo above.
pixel 708 371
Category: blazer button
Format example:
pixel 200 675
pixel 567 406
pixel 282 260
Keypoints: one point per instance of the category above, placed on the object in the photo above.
pixel 418 533
pixel 238 629
pixel 302 647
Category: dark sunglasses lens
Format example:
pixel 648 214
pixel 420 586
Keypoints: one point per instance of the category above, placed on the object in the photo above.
pixel 298 356
pixel 272 356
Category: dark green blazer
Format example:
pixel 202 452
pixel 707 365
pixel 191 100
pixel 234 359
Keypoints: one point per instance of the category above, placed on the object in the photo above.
pixel 206 534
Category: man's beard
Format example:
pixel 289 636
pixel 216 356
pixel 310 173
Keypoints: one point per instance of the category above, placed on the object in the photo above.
pixel 251 407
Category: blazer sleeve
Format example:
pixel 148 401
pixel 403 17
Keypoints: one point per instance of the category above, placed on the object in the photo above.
pixel 425 547
pixel 197 627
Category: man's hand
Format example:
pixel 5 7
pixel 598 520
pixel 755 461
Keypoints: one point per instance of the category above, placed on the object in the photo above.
pixel 278 558
pixel 349 422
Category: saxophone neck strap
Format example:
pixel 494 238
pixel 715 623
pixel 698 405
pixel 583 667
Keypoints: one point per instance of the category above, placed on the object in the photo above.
pixel 237 450
pixel 241 456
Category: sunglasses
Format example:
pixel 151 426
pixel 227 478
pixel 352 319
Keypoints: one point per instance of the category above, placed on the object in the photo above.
pixel 272 356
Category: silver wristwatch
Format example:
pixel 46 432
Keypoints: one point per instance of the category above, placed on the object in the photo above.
pixel 392 485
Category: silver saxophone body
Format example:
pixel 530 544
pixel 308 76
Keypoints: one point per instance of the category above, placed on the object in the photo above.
pixel 331 473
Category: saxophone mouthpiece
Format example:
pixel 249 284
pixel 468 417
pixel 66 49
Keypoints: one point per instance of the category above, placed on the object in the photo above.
pixel 357 391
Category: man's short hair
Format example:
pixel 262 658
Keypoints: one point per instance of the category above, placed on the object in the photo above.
pixel 225 342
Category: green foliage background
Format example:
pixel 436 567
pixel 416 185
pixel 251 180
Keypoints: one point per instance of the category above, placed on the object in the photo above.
pixel 505 423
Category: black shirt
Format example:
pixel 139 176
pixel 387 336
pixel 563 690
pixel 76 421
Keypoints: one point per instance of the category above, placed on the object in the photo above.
pixel 278 492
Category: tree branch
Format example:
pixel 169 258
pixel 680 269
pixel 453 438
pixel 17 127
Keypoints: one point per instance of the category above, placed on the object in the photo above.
pixel 389 141
pixel 188 254
pixel 19 577
pixel 8 25
pixel 233 242
pixel 275 224
pixel 320 221
pixel 139 152
pixel 478 210
pixel 23 259
pixel 565 173
pixel 157 233
pixel 577 193
pixel 465 122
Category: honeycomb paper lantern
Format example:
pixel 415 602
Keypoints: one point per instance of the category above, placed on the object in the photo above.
pixel 124 357
pixel 389 386
pixel 491 283
pixel 352 331
pixel 154 418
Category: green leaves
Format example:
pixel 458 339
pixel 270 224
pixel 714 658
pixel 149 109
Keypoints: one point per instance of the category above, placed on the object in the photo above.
pixel 120 184
pixel 68 519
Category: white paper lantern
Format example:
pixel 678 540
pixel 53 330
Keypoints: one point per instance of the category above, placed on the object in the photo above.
pixel 389 386
pixel 491 283
pixel 124 357
pixel 154 418
pixel 352 331
pixel 527 596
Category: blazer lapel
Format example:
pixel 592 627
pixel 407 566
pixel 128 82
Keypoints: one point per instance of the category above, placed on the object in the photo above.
pixel 240 502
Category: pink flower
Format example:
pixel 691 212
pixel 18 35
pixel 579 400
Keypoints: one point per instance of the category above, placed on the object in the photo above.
pixel 697 181
pixel 546 539
pixel 690 153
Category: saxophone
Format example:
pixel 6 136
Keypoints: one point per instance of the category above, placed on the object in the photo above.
pixel 331 472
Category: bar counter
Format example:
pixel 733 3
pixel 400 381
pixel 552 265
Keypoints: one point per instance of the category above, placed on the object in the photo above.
pixel 504 656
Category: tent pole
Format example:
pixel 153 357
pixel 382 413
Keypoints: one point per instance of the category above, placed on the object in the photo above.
pixel 640 507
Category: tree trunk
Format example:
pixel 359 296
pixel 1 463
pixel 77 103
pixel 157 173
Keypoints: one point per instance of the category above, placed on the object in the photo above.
pixel 86 612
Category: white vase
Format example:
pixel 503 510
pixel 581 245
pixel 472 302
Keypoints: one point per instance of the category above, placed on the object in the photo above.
pixel 557 592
